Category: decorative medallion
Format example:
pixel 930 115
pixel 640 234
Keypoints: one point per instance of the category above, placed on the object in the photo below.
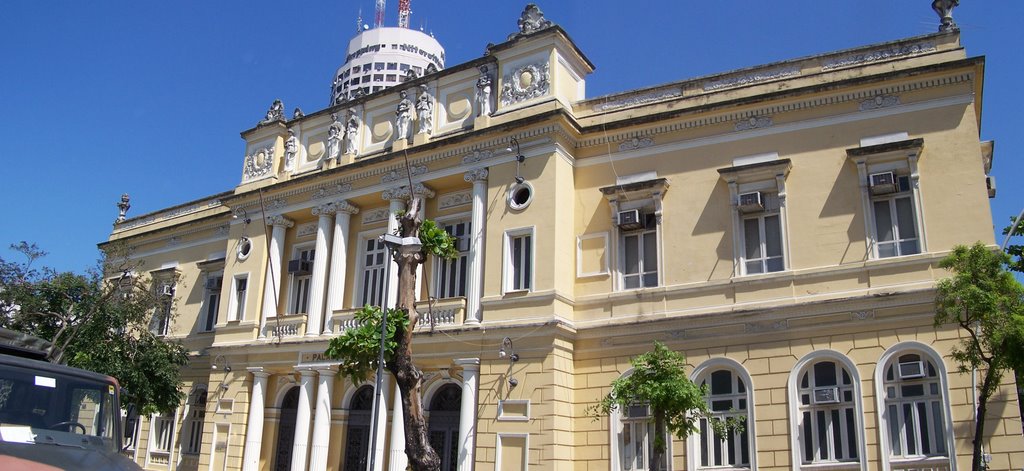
pixel 636 143
pixel 754 122
pixel 396 175
pixel 331 190
pixel 305 230
pixel 879 101
pixel 766 326
pixel 375 215
pixel 258 163
pixel 477 156
pixel 452 200
pixel 525 83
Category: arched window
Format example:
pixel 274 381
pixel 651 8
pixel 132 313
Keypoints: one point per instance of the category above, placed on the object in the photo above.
pixel 194 422
pixel 633 436
pixel 914 407
pixel 729 396
pixel 357 443
pixel 443 427
pixel 828 411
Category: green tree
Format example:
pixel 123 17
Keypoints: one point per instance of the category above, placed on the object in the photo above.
pixel 1016 251
pixel 359 347
pixel 96 321
pixel 987 303
pixel 659 381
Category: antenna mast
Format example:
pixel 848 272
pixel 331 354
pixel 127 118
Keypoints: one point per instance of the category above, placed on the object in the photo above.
pixel 359 21
pixel 403 13
pixel 379 17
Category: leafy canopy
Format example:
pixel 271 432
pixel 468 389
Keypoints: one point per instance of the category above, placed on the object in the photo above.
pixel 359 347
pixel 96 323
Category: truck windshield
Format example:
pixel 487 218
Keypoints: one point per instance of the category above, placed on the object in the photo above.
pixel 48 407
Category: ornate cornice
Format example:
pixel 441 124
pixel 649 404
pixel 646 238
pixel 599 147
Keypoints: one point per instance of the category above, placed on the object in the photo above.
pixel 753 122
pixel 402 192
pixel 879 101
pixel 401 174
pixel 636 142
pixel 476 156
pixel 330 190
pixel 891 52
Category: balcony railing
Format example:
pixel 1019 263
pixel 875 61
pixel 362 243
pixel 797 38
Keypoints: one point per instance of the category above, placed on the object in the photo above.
pixel 285 326
pixel 939 463
pixel 442 313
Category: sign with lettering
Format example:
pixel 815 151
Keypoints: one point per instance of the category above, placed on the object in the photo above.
pixel 315 358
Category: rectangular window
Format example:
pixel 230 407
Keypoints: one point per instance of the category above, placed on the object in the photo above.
pixel 519 260
pixel 895 222
pixel 378 66
pixel 238 310
pixel 374 256
pixel 392 65
pixel 160 324
pixel 762 244
pixel 450 275
pixel 378 77
pixel 163 432
pixel 640 255
pixel 213 284
pixel 301 282
pixel 392 78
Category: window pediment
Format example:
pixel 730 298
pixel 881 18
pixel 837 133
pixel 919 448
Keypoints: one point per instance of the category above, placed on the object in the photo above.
pixel 760 171
pixel 887 151
pixel 636 190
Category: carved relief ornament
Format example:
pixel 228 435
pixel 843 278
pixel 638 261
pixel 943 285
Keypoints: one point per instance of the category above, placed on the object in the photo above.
pixel 258 163
pixel 525 83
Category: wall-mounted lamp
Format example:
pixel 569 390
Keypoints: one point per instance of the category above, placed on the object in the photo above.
pixel 223 361
pixel 506 350
pixel 240 213
pixel 519 157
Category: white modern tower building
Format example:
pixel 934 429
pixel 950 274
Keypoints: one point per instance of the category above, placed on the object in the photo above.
pixel 383 57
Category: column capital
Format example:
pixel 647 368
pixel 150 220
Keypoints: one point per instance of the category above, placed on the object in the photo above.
pixel 402 192
pixel 472 364
pixel 328 371
pixel 257 371
pixel 325 209
pixel 476 175
pixel 343 206
pixel 305 371
pixel 279 221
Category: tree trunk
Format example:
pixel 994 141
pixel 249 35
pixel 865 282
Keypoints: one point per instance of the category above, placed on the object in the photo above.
pixel 658 453
pixel 987 388
pixel 422 456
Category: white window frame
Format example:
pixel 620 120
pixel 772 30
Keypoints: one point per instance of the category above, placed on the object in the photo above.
pixel 154 448
pixel 467 255
pixel 898 238
pixel 508 273
pixel 646 209
pixel 204 307
pixel 929 354
pixel 797 448
pixel 296 282
pixel 358 299
pixel 901 158
pixel 236 307
pixel 695 441
pixel 767 175
pixel 615 425
pixel 644 192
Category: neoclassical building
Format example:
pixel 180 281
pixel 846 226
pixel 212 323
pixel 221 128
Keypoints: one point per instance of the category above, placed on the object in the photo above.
pixel 781 225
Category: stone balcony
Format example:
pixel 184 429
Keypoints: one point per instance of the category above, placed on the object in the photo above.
pixel 443 313
pixel 285 326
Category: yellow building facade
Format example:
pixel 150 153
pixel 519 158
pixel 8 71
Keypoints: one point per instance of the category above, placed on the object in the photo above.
pixel 781 225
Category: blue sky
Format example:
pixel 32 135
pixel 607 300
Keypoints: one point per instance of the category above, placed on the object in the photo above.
pixel 148 98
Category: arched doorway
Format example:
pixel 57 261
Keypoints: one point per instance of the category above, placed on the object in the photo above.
pixel 444 425
pixel 357 439
pixel 286 430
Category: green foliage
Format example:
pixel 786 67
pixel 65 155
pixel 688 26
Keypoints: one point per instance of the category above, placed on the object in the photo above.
pixel 437 241
pixel 659 380
pixel 96 322
pixel 359 347
pixel 984 300
pixel 1016 251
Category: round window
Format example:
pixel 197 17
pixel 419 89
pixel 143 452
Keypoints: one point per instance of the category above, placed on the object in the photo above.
pixel 520 196
pixel 244 248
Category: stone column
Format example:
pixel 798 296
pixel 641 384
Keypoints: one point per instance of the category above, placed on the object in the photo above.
pixel 396 198
pixel 322 420
pixel 300 447
pixel 339 260
pixel 314 318
pixel 478 221
pixel 272 285
pixel 254 422
pixel 382 420
pixel 467 413
pixel 398 460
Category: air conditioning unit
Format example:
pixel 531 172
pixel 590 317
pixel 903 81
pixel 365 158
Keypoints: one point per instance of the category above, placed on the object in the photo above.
pixel 750 202
pixel 299 267
pixel 826 395
pixel 882 183
pixel 214 283
pixel 630 220
pixel 911 370
pixel 462 244
pixel 990 183
pixel 167 290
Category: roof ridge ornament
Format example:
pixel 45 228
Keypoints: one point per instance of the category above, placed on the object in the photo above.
pixel 944 8
pixel 275 113
pixel 531 21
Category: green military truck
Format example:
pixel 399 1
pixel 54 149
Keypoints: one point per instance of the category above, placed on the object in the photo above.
pixel 55 416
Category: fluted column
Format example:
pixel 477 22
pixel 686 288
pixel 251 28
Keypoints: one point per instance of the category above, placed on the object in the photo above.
pixel 475 284
pixel 398 460
pixel 467 412
pixel 272 284
pixel 254 422
pixel 339 260
pixel 322 420
pixel 315 316
pixel 300 447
